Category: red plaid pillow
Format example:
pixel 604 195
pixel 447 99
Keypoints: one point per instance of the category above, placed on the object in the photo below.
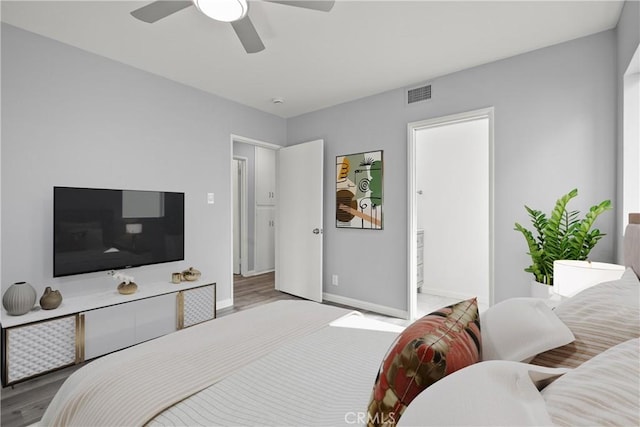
pixel 429 349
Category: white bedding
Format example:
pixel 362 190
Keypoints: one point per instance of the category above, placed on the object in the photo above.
pixel 132 386
pixel 283 364
pixel 323 379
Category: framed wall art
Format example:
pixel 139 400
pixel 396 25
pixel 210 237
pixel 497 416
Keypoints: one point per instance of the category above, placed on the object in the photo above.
pixel 359 191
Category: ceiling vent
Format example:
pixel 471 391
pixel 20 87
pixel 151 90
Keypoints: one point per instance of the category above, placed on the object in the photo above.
pixel 418 94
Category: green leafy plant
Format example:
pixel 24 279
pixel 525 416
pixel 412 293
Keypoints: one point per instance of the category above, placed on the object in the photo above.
pixel 562 235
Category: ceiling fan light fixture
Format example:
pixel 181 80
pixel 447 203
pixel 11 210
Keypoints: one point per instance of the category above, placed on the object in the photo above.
pixel 223 10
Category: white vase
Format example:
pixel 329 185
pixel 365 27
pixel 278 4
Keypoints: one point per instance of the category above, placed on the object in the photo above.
pixel 540 290
pixel 19 298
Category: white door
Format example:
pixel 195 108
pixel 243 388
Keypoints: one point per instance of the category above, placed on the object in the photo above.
pixel 299 220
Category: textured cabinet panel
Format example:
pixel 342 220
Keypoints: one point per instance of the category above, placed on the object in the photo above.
pixel 198 305
pixel 40 347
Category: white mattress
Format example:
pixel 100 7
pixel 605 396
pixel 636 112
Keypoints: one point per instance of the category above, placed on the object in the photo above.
pixel 324 378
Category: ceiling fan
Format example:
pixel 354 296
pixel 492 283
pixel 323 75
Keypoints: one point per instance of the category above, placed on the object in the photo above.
pixel 233 11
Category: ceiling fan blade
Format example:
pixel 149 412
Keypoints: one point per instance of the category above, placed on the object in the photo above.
pixel 321 5
pixel 159 9
pixel 248 35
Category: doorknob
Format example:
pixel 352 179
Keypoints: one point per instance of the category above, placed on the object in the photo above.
pixel 316 231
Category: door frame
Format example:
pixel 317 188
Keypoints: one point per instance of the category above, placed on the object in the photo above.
pixel 244 224
pixel 238 138
pixel 412 226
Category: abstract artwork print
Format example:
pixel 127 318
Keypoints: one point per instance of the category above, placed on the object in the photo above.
pixel 359 191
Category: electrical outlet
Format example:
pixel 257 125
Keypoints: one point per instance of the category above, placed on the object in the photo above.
pixel 334 280
pixel 210 198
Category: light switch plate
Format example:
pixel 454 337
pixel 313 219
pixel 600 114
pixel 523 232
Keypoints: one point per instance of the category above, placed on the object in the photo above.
pixel 210 198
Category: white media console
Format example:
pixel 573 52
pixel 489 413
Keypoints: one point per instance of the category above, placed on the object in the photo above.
pixel 85 327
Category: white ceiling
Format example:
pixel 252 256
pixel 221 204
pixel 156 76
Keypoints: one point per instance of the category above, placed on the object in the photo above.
pixel 314 59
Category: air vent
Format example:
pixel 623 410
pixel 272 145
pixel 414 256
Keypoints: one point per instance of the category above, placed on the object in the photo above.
pixel 418 94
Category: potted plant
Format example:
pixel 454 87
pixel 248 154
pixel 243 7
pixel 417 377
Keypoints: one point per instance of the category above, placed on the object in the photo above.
pixel 562 235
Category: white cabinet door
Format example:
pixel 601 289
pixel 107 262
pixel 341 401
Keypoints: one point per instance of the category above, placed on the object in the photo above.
pixel 119 326
pixel 40 347
pixel 155 317
pixel 109 329
pixel 265 176
pixel 265 239
pixel 420 260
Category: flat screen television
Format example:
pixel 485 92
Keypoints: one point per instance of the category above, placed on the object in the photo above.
pixel 102 229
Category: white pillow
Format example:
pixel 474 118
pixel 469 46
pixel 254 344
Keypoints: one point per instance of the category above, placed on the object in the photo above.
pixel 519 328
pixel 493 393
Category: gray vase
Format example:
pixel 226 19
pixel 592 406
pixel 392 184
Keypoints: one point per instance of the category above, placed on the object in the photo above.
pixel 19 298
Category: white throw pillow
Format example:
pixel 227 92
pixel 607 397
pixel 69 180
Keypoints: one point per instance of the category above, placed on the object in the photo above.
pixel 493 393
pixel 603 391
pixel 600 317
pixel 519 328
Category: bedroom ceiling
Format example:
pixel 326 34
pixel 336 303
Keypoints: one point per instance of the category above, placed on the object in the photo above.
pixel 314 59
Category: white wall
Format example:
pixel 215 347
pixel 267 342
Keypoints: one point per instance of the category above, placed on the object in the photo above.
pixel 452 171
pixel 627 42
pixel 72 118
pixel 631 142
pixel 555 115
pixel 70 115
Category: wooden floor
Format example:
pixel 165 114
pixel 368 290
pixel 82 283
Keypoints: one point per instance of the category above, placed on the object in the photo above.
pixel 25 403
pixel 252 291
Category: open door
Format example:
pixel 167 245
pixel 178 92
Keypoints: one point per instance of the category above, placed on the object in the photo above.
pixel 299 220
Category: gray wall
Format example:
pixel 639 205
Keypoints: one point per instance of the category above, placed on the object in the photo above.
pixel 627 41
pixel 72 118
pixel 249 151
pixel 555 129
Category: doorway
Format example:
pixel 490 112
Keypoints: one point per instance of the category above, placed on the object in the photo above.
pixel 451 208
pixel 253 207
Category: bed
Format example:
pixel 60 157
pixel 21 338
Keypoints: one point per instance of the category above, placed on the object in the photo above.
pixel 302 363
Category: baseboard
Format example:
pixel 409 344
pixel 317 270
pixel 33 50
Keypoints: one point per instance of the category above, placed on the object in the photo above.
pixel 449 294
pixel 251 273
pixel 224 303
pixel 364 305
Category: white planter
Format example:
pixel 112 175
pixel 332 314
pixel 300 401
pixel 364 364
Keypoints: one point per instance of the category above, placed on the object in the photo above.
pixel 540 290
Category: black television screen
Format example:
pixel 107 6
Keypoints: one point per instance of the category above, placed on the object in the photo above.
pixel 100 229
